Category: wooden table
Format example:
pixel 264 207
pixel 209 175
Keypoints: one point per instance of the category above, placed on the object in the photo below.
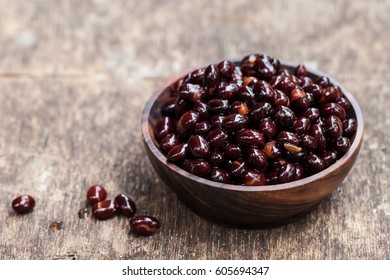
pixel 75 75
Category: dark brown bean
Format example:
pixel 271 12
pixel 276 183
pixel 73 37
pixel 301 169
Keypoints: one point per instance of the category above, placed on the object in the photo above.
pixel 218 106
pixel 272 177
pixel 164 126
pixel 315 163
pixel 144 225
pixel 211 78
pixel 216 121
pixel 199 147
pixel 349 126
pixel 272 150
pixel 236 168
pixel 299 99
pixel 168 142
pixel 317 132
pixel 268 128
pixel 329 109
pixel 217 137
pixel 260 111
pixel 308 142
pixel 344 102
pixel 257 157
pixel 301 126
pixel 168 109
pixel 280 98
pixel 299 172
pixel 23 204
pixel 288 137
pixel 126 205
pixel 216 158
pixel 192 92
pixel 96 193
pixel 202 128
pixel 225 69
pixel 324 81
pixel 252 177
pixel 316 91
pixel 219 175
pixel 312 114
pixel 178 153
pixel 187 121
pixel 334 126
pixel 300 70
pixel 198 167
pixel 195 77
pixel 284 116
pixel 228 91
pixel 264 68
pixel 263 91
pixel 329 157
pixel 235 122
pixel 105 209
pixel 232 151
pixel 287 173
pixel 182 106
pixel 249 137
pixel 330 94
pixel 201 108
pixel 341 145
pixel 239 107
pixel 246 95
pixel 306 82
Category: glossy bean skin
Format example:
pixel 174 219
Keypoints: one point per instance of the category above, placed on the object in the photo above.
pixel 219 175
pixel 216 158
pixel 334 126
pixel 268 128
pixel 178 152
pixel 199 146
pixel 255 123
pixel 168 142
pixel 217 137
pixel 249 137
pixel 211 78
pixel 144 225
pixel 235 122
pixel 260 111
pixel 349 127
pixel 315 163
pixel 164 126
pixel 126 205
pixel 237 168
pixel 257 157
pixel 284 116
pixel 202 128
pixel 198 167
pixel 105 209
pixel 23 204
pixel 192 92
pixel 287 173
pixel 225 69
pixel 341 145
pixel 232 151
pixel 96 193
pixel 335 109
pixel 252 177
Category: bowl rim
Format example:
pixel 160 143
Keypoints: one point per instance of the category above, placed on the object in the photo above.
pixel 289 185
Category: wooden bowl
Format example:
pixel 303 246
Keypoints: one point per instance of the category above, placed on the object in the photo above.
pixel 242 206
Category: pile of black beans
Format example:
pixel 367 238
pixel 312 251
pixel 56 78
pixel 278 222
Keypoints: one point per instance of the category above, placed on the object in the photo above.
pixel 255 123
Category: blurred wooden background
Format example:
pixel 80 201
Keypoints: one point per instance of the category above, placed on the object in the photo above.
pixel 75 75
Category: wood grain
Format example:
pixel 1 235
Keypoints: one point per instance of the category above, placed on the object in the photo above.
pixel 74 77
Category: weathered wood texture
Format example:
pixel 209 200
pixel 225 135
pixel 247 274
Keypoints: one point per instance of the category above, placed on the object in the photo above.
pixel 75 75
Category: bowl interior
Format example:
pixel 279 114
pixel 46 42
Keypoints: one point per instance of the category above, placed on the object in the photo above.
pixel 152 113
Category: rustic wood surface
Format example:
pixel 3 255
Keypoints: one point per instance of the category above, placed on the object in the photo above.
pixel 75 75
